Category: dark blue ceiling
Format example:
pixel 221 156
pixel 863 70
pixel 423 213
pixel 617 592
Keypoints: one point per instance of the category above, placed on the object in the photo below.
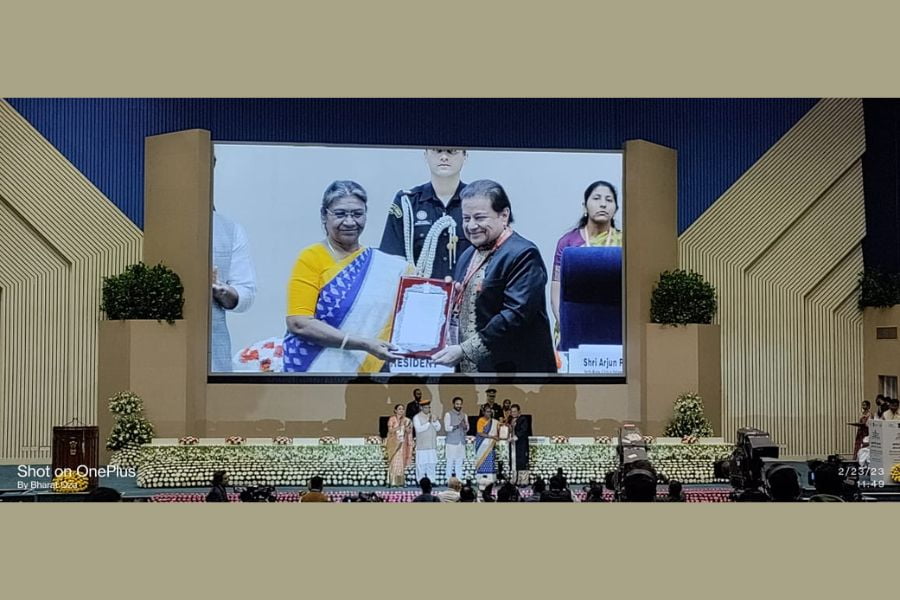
pixel 717 139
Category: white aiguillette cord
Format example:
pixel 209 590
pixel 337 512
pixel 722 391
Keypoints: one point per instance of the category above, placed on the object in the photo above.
pixel 429 248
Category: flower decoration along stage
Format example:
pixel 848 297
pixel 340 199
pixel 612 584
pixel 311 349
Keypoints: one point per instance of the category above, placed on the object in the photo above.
pixel 328 440
pixel 188 440
pixel 282 440
pixel 235 440
pixel 364 464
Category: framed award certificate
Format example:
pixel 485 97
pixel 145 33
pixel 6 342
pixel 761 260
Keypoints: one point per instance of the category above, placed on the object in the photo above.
pixel 421 316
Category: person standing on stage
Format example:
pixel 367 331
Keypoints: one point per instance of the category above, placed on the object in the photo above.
pixel 399 445
pixel 426 427
pixel 496 409
pixel 506 418
pixel 456 424
pixel 486 438
pixel 518 446
pixel 420 219
pixel 412 409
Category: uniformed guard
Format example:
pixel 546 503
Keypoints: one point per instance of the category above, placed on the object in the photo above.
pixel 424 224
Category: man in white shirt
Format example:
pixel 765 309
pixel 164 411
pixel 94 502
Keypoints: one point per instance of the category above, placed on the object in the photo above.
pixel 451 494
pixel 893 411
pixel 456 424
pixel 233 285
pixel 426 426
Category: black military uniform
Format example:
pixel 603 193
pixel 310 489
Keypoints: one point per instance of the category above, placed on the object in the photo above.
pixel 427 208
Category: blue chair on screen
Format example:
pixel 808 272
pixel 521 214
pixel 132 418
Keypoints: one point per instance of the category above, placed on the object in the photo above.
pixel 590 299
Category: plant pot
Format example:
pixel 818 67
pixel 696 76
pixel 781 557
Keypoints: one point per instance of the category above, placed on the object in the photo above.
pixel 148 358
pixel 686 358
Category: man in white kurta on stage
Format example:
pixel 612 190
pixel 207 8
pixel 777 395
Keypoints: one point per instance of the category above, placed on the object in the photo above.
pixel 426 426
pixel 456 424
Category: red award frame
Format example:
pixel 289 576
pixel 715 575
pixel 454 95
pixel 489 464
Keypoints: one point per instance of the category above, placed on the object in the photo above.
pixel 406 283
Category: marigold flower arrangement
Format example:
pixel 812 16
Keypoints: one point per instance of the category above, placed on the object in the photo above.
pixel 375 440
pixel 235 440
pixel 281 440
pixel 327 439
pixel 895 473
pixel 559 439
pixel 602 439
pixel 69 481
pixel 188 440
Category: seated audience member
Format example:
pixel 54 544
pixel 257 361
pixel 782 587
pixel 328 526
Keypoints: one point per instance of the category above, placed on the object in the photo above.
pixel 315 492
pixel 467 493
pixel 828 481
pixel 537 488
pixel 487 494
pixel 508 493
pixel 218 492
pixel 558 491
pixel 783 484
pixel 751 495
pixel 594 492
pixel 103 494
pixel 676 493
pixel 452 493
pixel 426 495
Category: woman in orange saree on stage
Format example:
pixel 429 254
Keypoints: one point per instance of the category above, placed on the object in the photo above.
pixel 399 446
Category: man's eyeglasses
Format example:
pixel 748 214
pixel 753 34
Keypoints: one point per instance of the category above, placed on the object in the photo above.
pixel 340 215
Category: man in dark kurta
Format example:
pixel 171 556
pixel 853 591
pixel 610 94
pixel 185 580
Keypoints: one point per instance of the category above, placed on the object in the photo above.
pixel 518 446
pixel 509 323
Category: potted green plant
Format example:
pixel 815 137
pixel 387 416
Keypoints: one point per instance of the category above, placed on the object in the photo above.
pixel 143 292
pixel 683 347
pixel 143 335
pixel 681 297
pixel 878 289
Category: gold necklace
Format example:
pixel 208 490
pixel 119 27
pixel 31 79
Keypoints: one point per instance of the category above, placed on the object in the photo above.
pixel 334 252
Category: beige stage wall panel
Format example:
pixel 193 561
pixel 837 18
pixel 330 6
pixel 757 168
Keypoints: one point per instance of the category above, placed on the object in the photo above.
pixel 882 356
pixel 59 236
pixel 177 217
pixel 782 247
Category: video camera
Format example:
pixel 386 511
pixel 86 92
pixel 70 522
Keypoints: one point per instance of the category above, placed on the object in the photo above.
pixel 634 464
pixel 263 493
pixel 744 468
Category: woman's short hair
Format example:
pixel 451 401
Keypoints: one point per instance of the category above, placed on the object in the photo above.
pixel 491 190
pixel 341 189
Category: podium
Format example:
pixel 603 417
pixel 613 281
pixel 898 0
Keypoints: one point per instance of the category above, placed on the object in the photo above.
pixel 78 449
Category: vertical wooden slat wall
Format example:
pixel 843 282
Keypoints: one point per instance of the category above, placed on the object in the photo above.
pixel 59 236
pixel 783 248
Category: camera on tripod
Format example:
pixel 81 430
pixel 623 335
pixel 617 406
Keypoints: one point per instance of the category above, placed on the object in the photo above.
pixel 635 471
pixel 263 493
pixel 744 468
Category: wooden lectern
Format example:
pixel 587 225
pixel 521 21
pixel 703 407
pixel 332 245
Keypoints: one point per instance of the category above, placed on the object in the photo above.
pixel 77 448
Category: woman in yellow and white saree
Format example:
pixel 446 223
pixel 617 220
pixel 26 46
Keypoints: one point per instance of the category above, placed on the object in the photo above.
pixel 340 298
